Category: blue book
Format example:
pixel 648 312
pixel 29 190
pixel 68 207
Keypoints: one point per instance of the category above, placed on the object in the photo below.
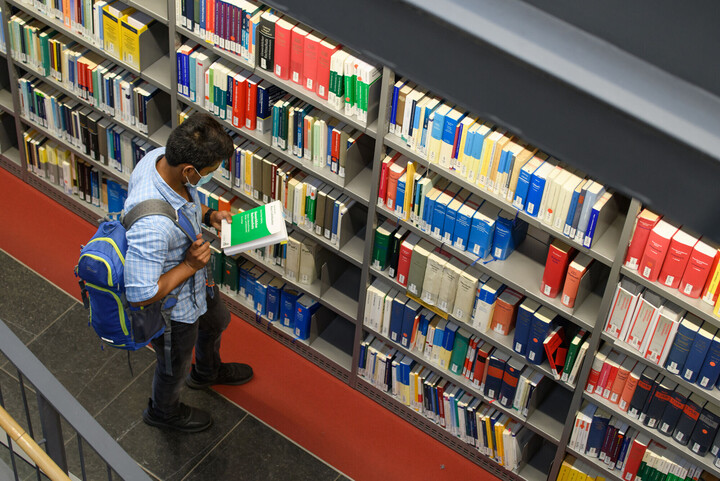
pixel 288 299
pixel 511 376
pixel 509 233
pixel 463 222
pixel 524 319
pixel 571 209
pixel 397 315
pixel 451 215
pixel 274 294
pixel 424 137
pixel 673 410
pixel 305 307
pixel 596 435
pixel 537 188
pixel 417 112
pixel 336 212
pixel 202 16
pixel 186 75
pixel 452 120
pixel 482 230
pixel 412 310
pixel 686 332
pixel 698 351
pixel 260 297
pixel 540 327
pixel 710 370
pixel 115 202
pixel 393 105
pixel 449 336
pixel 523 186
pixel 429 207
pixel 400 195
pixel 328 152
pixel 438 125
pixel 406 365
pixel 440 209
pixel 495 371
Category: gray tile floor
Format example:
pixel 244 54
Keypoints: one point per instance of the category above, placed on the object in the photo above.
pixel 54 327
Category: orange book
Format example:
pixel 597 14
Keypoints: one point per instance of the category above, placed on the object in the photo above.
pixel 395 172
pixel 630 385
pixel 505 313
pixel 621 379
pixel 576 271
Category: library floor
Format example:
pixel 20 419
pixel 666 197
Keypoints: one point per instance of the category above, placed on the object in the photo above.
pixel 54 326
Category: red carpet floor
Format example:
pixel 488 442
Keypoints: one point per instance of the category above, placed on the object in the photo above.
pixel 308 405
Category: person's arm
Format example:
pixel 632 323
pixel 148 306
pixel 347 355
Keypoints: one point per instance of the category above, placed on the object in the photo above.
pixel 147 250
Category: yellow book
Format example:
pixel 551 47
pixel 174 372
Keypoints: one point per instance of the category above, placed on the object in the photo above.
pixel 409 189
pixel 42 154
pixel 467 123
pixel 565 468
pixel 712 287
pixel 474 164
pixel 716 310
pixel 487 156
pixel 131 27
pixel 499 428
pixel 488 431
pixel 113 14
pixel 248 177
pixel 493 175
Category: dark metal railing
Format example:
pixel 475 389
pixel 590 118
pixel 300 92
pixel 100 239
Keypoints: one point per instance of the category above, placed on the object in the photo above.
pixel 54 403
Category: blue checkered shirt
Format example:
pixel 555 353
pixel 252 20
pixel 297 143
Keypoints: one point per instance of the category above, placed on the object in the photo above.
pixel 156 244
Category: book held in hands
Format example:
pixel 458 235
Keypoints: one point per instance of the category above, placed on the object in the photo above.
pixel 255 228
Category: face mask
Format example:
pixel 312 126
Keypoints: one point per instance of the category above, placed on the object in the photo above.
pixel 203 179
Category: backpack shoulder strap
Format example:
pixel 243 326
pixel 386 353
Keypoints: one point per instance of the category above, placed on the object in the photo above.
pixel 159 207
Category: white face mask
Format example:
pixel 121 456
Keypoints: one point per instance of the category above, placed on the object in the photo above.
pixel 203 179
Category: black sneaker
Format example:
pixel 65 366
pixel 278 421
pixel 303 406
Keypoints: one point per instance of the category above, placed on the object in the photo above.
pixel 231 374
pixel 187 420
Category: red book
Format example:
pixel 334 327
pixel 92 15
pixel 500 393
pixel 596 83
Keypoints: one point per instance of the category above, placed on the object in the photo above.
pixel 472 351
pixel 384 171
pixel 335 147
pixel 698 269
pixel 676 259
pixel 326 49
pixel 239 100
pixel 710 291
pixel 630 386
pixel 555 351
pixel 210 16
pixel 614 362
pixel 403 268
pixel 283 40
pixel 644 223
pixel 621 379
pixel 478 375
pixel 441 405
pixel 559 256
pixel 251 102
pixel 505 312
pixel 656 249
pixel 311 48
pixel 634 456
pixel 297 52
pixel 273 176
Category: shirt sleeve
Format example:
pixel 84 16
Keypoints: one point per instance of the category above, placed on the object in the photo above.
pixel 146 255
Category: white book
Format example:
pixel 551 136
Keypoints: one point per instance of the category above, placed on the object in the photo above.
pixel 433 273
pixel 466 293
pixel 448 285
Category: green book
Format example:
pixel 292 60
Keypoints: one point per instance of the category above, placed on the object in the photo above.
pixel 216 264
pixel 572 353
pixel 459 352
pixel 255 228
pixel 45 49
pixel 229 274
pixel 381 245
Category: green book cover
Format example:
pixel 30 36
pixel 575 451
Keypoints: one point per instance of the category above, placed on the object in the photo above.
pixel 216 265
pixel 573 351
pixel 211 85
pixel 45 48
pixel 255 228
pixel 459 352
pixel 311 204
pixel 213 201
pixel 350 89
pixel 380 247
pixel 230 274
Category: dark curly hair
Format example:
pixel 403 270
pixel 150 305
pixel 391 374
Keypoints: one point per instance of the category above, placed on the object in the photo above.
pixel 199 141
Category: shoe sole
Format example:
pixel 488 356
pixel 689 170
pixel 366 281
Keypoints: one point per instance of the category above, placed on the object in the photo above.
pixel 158 424
pixel 195 385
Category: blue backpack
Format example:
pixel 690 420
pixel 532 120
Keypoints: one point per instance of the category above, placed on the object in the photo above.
pixel 101 270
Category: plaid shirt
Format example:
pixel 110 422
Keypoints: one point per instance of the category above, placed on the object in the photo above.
pixel 156 244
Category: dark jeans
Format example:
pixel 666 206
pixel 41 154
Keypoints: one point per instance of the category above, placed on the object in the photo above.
pixel 205 335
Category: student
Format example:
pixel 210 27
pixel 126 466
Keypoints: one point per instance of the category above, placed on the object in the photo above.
pixel 161 260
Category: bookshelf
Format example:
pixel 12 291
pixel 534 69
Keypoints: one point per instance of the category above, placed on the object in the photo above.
pixel 342 285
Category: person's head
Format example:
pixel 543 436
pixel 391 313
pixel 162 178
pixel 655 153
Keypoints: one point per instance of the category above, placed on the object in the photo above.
pixel 197 147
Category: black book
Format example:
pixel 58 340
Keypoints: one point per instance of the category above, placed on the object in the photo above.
pixel 84 132
pixel 266 41
pixel 673 410
pixel 688 419
pixel 80 176
pixel 706 427
pixel 643 393
pixel 394 250
pixel 658 402
pixel 92 127
pixel 87 183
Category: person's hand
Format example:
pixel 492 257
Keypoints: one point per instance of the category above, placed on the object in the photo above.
pixel 218 216
pixel 198 254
